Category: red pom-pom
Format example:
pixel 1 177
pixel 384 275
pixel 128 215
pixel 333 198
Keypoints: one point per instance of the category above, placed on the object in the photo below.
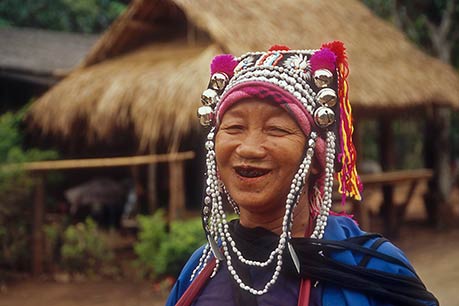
pixel 224 63
pixel 279 48
pixel 338 48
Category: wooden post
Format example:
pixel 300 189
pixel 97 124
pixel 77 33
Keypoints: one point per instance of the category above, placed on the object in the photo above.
pixel 151 188
pixel 437 157
pixel 387 159
pixel 176 190
pixel 38 242
pixel 359 208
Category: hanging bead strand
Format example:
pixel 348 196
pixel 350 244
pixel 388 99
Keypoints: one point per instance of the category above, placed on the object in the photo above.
pixel 321 221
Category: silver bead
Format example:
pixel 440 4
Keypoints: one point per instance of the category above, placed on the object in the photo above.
pixel 209 144
pixel 324 116
pixel 323 78
pixel 209 97
pixel 218 81
pixel 205 115
pixel 327 97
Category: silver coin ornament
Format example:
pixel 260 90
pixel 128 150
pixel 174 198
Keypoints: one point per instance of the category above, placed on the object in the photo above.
pixel 209 97
pixel 324 116
pixel 205 115
pixel 323 78
pixel 327 97
pixel 218 81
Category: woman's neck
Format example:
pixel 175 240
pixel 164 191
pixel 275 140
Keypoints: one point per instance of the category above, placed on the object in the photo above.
pixel 272 221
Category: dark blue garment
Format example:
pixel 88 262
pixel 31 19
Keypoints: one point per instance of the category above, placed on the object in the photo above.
pixel 219 289
pixel 339 228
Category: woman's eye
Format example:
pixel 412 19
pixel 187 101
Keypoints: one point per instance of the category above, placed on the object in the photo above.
pixel 278 131
pixel 232 129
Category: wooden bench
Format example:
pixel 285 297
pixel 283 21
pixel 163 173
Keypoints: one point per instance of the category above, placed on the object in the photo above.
pixel 393 213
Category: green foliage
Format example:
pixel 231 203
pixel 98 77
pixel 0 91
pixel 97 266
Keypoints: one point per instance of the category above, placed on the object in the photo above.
pixel 369 133
pixel 15 192
pixel 84 249
pixel 414 17
pixel 164 253
pixel 87 16
pixel 382 8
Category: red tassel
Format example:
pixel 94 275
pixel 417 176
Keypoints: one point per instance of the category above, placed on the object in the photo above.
pixel 279 48
pixel 349 181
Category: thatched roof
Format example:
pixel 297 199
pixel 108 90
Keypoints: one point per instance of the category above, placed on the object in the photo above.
pixel 158 92
pixel 33 52
pixel 140 89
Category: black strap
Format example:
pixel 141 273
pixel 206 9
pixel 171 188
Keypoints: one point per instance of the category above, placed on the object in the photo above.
pixel 374 246
pixel 317 263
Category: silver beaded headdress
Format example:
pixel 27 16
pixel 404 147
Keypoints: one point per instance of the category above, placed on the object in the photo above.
pixel 313 86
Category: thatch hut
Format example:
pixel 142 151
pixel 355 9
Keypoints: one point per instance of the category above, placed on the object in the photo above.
pixel 135 75
pixel 147 71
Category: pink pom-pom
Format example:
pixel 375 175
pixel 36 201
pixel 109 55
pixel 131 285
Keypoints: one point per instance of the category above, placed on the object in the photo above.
pixel 323 59
pixel 223 63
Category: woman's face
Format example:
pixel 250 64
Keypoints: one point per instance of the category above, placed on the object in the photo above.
pixel 258 150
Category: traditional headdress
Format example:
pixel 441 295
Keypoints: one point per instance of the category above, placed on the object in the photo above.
pixel 312 86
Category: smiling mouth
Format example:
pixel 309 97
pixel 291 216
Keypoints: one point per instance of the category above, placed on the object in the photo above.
pixel 251 172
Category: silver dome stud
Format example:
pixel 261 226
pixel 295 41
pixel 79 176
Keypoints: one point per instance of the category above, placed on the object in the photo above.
pixel 327 97
pixel 205 115
pixel 209 97
pixel 218 81
pixel 324 116
pixel 323 78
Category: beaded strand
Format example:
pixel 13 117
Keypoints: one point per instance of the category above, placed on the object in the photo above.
pixel 217 227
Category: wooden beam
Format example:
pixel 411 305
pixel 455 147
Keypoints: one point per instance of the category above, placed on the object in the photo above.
pixel 392 177
pixel 102 162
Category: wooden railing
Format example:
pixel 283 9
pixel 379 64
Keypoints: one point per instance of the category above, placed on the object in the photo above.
pixel 393 213
pixel 40 168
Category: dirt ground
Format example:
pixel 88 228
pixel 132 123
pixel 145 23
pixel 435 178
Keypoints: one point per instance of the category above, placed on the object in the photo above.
pixel 434 254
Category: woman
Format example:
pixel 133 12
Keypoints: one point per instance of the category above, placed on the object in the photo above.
pixel 280 129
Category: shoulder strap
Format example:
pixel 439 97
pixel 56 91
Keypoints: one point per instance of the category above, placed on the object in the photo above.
pixel 374 246
pixel 196 286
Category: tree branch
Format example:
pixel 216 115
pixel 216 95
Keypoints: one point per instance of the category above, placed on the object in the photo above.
pixel 447 18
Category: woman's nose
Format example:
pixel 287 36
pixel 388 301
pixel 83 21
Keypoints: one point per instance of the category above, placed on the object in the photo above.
pixel 251 146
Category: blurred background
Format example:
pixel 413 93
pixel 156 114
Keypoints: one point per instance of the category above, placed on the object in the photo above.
pixel 101 154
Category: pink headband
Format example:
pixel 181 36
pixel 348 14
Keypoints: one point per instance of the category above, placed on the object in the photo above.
pixel 269 92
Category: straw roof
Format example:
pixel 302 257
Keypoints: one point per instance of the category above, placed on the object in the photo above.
pixel 140 89
pixel 158 91
pixel 386 69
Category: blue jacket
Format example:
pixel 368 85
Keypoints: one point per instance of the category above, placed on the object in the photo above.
pixel 338 228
